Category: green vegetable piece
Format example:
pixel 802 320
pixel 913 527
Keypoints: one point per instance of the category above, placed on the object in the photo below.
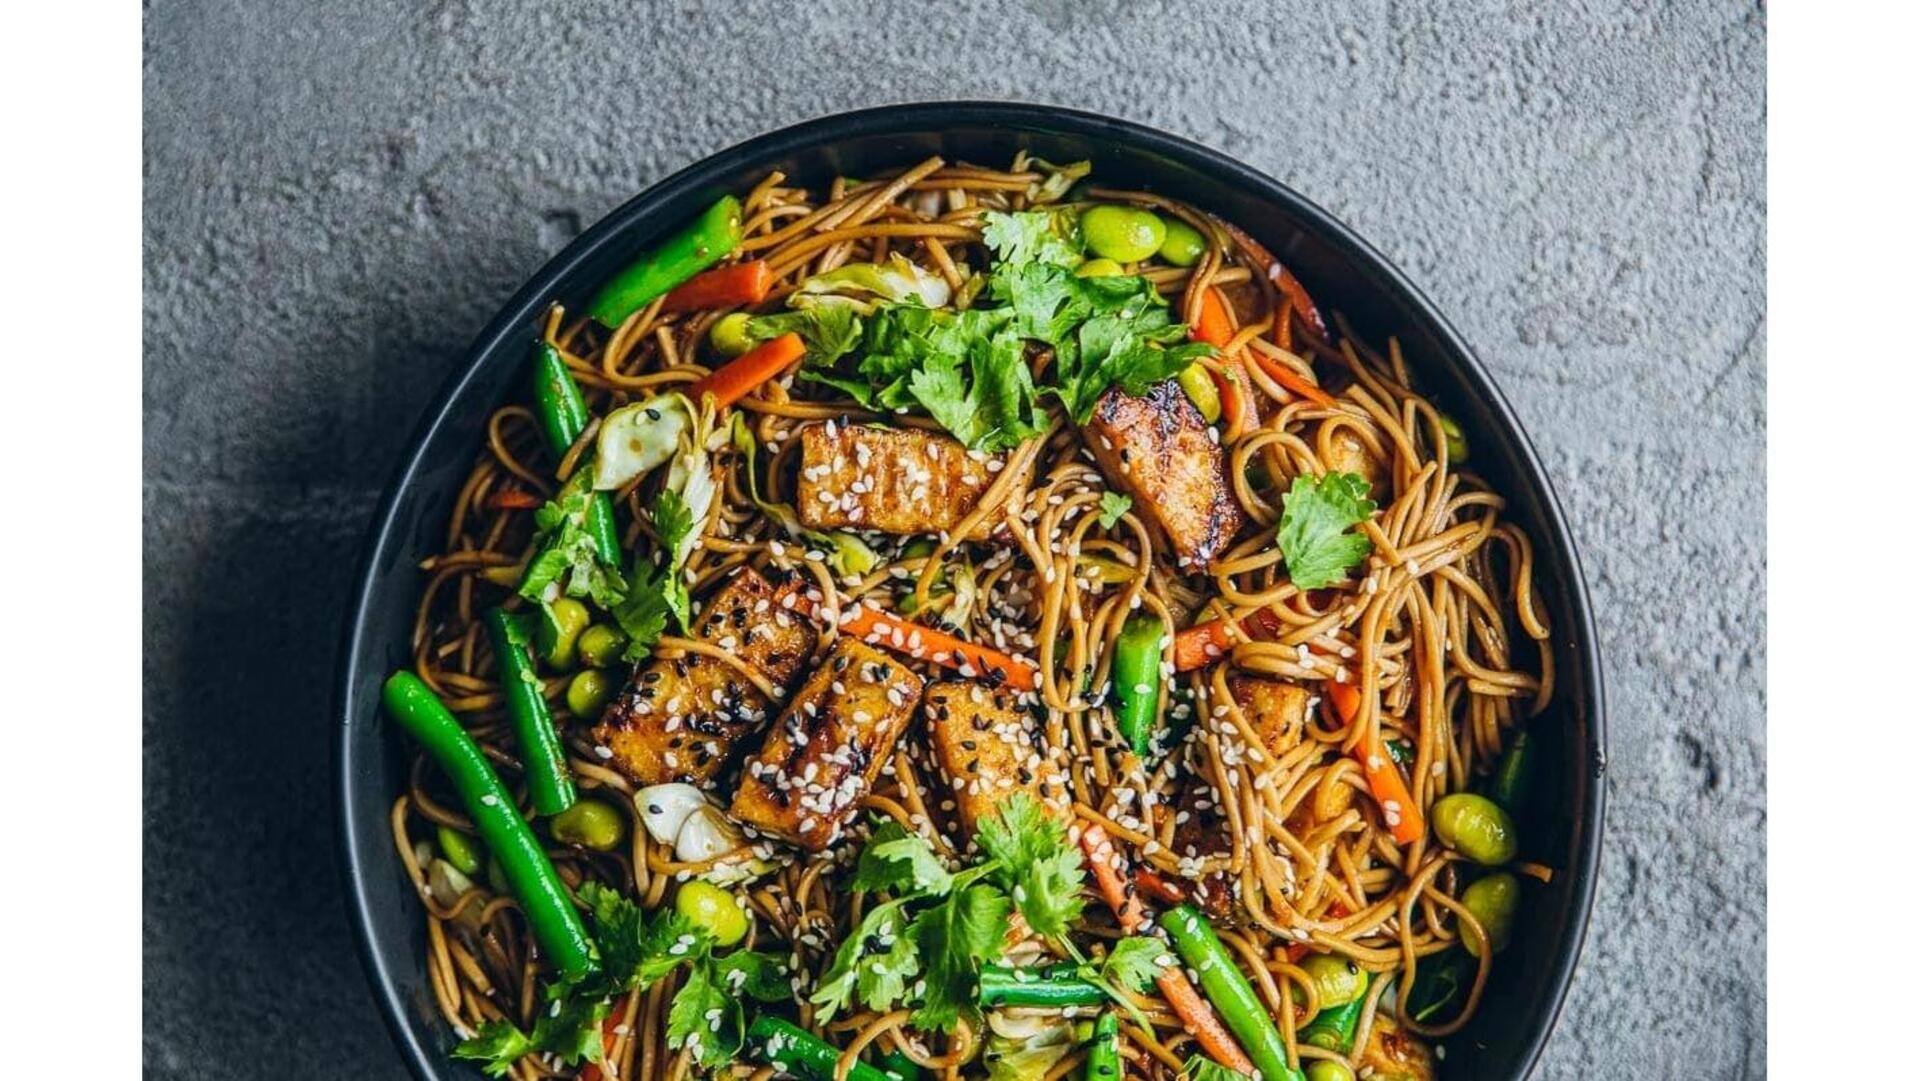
pixel 1476 827
pixel 1124 234
pixel 1136 680
pixel 1103 1056
pixel 1334 1028
pixel 460 850
pixel 713 910
pixel 600 645
pixel 728 334
pixel 588 693
pixel 1198 383
pixel 1337 979
pixel 1439 983
pixel 1513 776
pixel 589 824
pixel 557 402
pixel 1099 268
pixel 1049 986
pixel 799 1052
pixel 1227 989
pixel 1495 902
pixel 897 1063
pixel 1456 439
pixel 529 875
pixel 1113 505
pixel 705 242
pixel 1328 1069
pixel 1317 520
pixel 1183 244
pixel 542 756
pixel 558 630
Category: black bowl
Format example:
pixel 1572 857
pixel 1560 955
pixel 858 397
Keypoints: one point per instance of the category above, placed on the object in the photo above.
pixel 1344 274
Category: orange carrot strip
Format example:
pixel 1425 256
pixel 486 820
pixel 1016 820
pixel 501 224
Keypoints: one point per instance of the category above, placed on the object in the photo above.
pixel 746 373
pixel 721 287
pixel 1204 643
pixel 1383 777
pixel 514 499
pixel 1294 293
pixel 1154 883
pixel 921 642
pixel 1214 326
pixel 608 1037
pixel 1105 860
pixel 1292 380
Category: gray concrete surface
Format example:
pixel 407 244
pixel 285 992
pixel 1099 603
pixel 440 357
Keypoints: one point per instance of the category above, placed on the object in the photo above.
pixel 338 195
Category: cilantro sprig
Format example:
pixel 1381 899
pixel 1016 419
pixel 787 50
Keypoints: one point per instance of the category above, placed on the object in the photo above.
pixel 1316 519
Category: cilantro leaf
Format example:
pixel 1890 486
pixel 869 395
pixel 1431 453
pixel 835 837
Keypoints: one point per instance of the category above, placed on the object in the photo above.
pixel 642 613
pixel 568 556
pixel 830 331
pixel 954 937
pixel 1112 506
pixel 1030 236
pixel 761 976
pixel 856 971
pixel 1035 863
pixel 637 950
pixel 1135 962
pixel 673 520
pixel 1315 518
pixel 901 862
pixel 706 1020
pixel 497 1046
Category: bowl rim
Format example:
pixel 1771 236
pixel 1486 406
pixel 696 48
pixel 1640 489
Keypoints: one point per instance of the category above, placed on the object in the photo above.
pixel 425 1061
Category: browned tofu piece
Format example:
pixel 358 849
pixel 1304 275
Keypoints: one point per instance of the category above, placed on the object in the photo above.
pixel 828 746
pixel 1347 454
pixel 1394 1054
pixel 683 719
pixel 1157 449
pixel 989 749
pixel 894 480
pixel 1277 710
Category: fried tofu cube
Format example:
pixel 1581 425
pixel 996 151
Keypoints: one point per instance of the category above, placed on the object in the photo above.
pixel 903 481
pixel 1276 709
pixel 1347 454
pixel 1157 448
pixel 989 749
pixel 1394 1054
pixel 683 719
pixel 828 746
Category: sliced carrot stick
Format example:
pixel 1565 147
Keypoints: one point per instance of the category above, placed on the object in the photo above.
pixel 514 499
pixel 721 287
pixel 609 1035
pixel 1106 862
pixel 1157 885
pixel 1204 643
pixel 921 642
pixel 1292 380
pixel 1294 293
pixel 1214 326
pixel 1383 777
pixel 746 373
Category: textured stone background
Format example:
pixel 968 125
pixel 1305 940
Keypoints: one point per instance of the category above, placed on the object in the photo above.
pixel 338 195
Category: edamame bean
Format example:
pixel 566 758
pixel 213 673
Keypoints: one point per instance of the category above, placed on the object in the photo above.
pixel 1098 268
pixel 1494 902
pixel 1476 827
pixel 590 824
pixel 1198 383
pixel 1456 439
pixel 461 850
pixel 1337 980
pixel 1124 234
pixel 558 630
pixel 1183 244
pixel 588 693
pixel 600 645
pixel 728 335
pixel 1328 1069
pixel 713 910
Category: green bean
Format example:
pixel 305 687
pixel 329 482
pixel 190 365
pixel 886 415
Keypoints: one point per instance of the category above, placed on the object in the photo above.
pixel 1513 776
pixel 897 1063
pixel 1227 988
pixel 543 760
pixel 1103 1055
pixel 1476 827
pixel 529 875
pixel 704 242
pixel 1048 986
pixel 590 824
pixel 799 1052
pixel 1125 234
pixel 460 850
pixel 1136 680
pixel 1494 902
pixel 562 415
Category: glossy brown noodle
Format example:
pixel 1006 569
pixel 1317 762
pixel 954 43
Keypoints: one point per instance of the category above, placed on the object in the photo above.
pixel 1440 634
